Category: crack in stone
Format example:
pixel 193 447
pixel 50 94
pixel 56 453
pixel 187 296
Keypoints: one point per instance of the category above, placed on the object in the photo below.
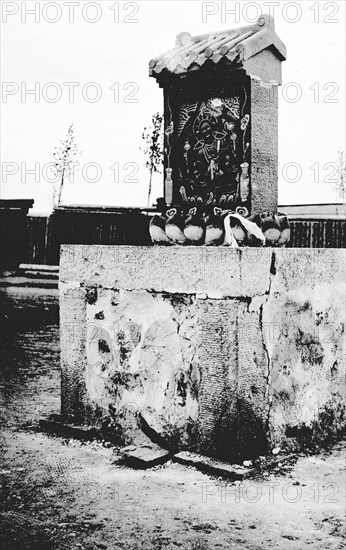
pixel 268 377
pixel 257 304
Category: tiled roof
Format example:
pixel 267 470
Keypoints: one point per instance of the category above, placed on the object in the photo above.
pixel 236 45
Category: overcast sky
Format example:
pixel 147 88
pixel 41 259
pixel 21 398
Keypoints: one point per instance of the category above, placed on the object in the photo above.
pixel 104 48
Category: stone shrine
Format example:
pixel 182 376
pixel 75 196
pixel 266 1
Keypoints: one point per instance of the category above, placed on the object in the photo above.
pixel 229 352
pixel 221 117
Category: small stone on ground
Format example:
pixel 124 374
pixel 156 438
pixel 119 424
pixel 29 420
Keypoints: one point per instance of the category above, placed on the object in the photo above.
pixel 145 456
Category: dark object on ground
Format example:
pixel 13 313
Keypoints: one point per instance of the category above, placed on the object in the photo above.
pixel 145 456
pixel 212 466
pixel 54 425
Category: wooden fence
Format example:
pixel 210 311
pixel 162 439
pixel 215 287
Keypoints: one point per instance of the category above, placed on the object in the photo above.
pixel 39 247
pixel 44 235
pixel 318 234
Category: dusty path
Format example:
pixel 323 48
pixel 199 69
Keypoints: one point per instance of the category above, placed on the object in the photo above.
pixel 63 494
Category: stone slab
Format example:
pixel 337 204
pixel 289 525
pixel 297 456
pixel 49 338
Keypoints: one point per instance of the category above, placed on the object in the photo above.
pixel 145 456
pixel 83 433
pixel 216 272
pixel 308 267
pixel 212 466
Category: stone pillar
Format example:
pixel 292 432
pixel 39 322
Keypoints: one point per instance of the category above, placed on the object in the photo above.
pixel 218 358
pixel 73 337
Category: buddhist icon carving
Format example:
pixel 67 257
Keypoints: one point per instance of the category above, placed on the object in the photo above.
pixel 212 146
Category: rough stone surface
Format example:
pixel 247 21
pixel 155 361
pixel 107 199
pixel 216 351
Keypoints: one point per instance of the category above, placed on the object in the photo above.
pixel 264 147
pixel 141 357
pixel 217 392
pixel 216 272
pixel 250 408
pixel 304 324
pixel 224 352
pixel 74 397
pixel 265 67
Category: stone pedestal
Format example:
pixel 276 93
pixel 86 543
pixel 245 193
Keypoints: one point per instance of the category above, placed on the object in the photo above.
pixel 218 350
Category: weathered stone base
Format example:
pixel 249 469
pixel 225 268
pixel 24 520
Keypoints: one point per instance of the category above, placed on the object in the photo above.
pixel 221 351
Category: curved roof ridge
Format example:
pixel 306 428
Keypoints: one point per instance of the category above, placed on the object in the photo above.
pixel 235 44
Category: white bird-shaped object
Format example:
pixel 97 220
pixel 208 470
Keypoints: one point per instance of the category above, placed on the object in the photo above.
pixel 174 227
pixel 194 229
pixel 157 230
pixel 215 228
pixel 238 230
pixel 271 229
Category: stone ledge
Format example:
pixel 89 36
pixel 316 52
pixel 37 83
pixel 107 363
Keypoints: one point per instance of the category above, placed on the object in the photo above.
pixel 56 427
pixel 212 466
pixel 218 272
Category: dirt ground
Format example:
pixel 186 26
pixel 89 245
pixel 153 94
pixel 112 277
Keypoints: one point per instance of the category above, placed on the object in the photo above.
pixel 64 494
